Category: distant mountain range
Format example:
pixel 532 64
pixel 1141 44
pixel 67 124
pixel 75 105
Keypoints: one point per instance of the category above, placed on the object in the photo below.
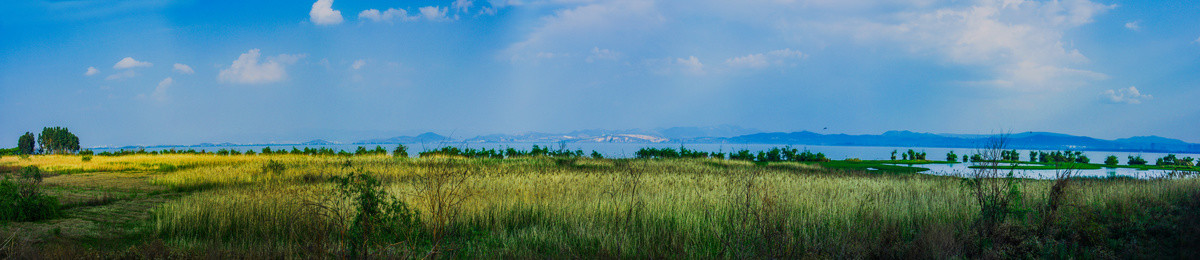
pixel 1027 140
pixel 738 135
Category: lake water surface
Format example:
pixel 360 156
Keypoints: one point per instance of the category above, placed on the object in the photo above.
pixel 626 150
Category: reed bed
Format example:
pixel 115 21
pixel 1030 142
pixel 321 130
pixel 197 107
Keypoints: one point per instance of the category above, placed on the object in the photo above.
pixel 291 206
pixel 619 208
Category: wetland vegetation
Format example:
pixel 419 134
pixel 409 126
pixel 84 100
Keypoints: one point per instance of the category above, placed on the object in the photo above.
pixel 780 203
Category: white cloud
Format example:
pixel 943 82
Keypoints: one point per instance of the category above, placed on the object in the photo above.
pixel 323 14
pixel 487 10
pixel 1018 41
pixel 91 71
pixel 247 69
pixel 462 5
pixel 761 60
pixel 1133 26
pixel 691 65
pixel 358 64
pixel 1197 40
pixel 749 61
pixel 601 54
pixel 121 75
pixel 160 92
pixel 1129 95
pixel 615 24
pixel 434 13
pixel 183 68
pixel 129 62
pixel 389 15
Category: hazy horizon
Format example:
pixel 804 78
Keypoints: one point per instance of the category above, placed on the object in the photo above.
pixel 187 72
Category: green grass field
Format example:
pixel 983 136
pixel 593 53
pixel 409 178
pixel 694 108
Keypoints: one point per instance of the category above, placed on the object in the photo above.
pixel 207 206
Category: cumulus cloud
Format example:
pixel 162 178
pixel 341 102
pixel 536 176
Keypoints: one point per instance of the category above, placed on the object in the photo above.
pixel 1133 26
pixel 183 68
pixel 389 15
pixel 129 62
pixel 601 54
pixel 762 60
pixel 434 13
pixel 248 70
pixel 358 64
pixel 91 71
pixel 1129 95
pixel 323 14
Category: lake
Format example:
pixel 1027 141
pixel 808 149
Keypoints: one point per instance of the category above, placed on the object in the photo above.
pixel 626 150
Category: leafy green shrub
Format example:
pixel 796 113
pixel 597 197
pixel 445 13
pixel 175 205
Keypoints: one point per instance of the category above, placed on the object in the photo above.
pixel 379 218
pixel 1111 160
pixel 273 167
pixel 1136 160
pixel 401 151
pixel 23 200
pixel 86 158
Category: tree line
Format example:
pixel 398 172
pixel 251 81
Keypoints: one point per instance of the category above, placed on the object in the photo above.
pixel 52 140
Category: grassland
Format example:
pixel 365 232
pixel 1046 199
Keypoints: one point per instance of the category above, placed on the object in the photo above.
pixel 203 206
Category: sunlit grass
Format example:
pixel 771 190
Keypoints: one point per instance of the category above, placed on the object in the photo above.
pixel 538 206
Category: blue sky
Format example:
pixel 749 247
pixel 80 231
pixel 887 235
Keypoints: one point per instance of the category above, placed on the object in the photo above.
pixel 184 72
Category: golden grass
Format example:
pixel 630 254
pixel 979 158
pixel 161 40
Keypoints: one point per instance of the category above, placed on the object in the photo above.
pixel 530 206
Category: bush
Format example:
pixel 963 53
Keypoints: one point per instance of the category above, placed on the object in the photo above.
pixel 380 219
pixel 23 200
pixel 86 158
pixel 1111 160
pixel 273 167
pixel 1136 160
pixel 401 151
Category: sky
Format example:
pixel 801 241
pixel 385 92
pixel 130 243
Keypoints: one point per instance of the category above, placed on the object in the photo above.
pixel 143 72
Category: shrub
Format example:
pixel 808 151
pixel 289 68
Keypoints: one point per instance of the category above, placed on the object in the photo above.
pixel 1111 160
pixel 379 218
pixel 23 199
pixel 86 158
pixel 401 151
pixel 273 167
pixel 1136 160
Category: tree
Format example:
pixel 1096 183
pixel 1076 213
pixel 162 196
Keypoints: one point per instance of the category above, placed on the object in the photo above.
pixel 1111 160
pixel 25 143
pixel 401 151
pixel 951 157
pixel 893 155
pixel 58 140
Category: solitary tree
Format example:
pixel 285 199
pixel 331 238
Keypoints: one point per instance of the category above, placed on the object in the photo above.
pixel 25 143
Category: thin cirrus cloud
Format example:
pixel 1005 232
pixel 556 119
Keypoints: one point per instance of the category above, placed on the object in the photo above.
pixel 160 91
pixel 1130 95
pixel 763 60
pixel 247 69
pixel 129 62
pixel 322 13
pixel 183 68
pixel 91 71
pixel 124 74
